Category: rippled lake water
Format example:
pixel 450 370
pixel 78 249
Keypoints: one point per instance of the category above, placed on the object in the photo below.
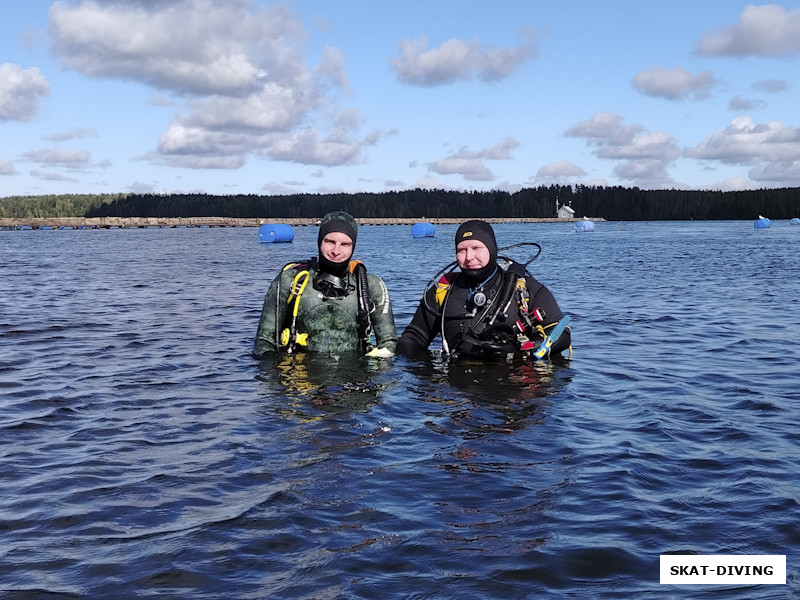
pixel 144 452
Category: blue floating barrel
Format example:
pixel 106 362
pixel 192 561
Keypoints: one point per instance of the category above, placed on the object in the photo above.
pixel 270 233
pixel 421 230
pixel 584 226
pixel 761 222
pixel 794 221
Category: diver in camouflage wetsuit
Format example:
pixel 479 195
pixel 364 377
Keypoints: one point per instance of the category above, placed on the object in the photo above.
pixel 321 305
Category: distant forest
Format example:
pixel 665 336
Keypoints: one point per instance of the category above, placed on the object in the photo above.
pixel 610 203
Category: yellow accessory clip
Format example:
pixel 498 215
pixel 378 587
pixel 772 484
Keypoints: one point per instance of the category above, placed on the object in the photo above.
pixel 522 289
pixel 442 287
pixel 301 339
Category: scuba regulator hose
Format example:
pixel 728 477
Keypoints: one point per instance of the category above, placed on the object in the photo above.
pixel 450 267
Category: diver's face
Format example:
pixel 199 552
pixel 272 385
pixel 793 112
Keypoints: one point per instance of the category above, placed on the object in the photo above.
pixel 472 254
pixel 336 247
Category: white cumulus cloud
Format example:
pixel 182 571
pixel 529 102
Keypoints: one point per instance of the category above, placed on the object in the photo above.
pixel 560 170
pixel 645 156
pixel 53 157
pixel 21 90
pixel 193 46
pixel 7 168
pixel 767 30
pixel 469 164
pixel 239 69
pixel 771 149
pixel 457 60
pixel 674 84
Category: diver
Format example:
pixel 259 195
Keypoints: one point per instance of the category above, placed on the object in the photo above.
pixel 328 304
pixel 491 309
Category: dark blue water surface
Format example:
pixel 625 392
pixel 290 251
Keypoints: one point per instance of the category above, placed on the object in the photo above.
pixel 144 452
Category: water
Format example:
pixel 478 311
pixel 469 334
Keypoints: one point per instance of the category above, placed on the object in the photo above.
pixel 144 452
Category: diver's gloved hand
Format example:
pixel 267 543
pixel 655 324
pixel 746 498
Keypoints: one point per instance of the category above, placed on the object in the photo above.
pixel 380 353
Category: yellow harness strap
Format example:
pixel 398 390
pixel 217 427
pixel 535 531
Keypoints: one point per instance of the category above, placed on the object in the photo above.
pixel 298 285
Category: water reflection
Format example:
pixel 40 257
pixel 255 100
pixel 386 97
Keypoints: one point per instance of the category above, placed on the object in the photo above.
pixel 488 397
pixel 314 385
pixel 325 405
pixel 483 467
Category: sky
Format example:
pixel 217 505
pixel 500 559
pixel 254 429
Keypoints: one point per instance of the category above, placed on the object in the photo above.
pixel 322 96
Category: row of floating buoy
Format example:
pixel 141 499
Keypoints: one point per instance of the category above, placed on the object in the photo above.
pixel 271 233
pixel 274 233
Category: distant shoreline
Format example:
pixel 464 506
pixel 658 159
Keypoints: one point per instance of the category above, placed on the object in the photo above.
pixel 170 222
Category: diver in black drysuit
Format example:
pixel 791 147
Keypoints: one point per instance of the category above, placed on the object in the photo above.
pixel 463 308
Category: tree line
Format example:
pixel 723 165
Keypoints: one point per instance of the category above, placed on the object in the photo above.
pixel 61 205
pixel 612 203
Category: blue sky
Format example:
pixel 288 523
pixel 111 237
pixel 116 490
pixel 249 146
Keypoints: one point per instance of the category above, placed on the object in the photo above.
pixel 311 96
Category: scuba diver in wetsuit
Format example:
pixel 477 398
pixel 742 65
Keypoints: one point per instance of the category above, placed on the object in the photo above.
pixel 487 310
pixel 330 304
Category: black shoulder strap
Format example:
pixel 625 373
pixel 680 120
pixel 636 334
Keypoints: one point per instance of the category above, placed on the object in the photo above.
pixel 365 306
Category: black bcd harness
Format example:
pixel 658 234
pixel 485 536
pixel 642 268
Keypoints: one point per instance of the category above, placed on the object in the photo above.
pixel 488 334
